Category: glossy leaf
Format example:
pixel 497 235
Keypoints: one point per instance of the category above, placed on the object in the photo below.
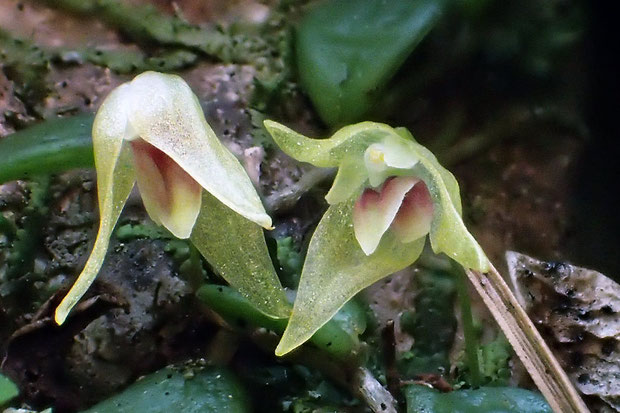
pixel 8 390
pixel 421 399
pixel 183 389
pixel 236 249
pixel 336 269
pixel 48 147
pixel 338 337
pixel 347 50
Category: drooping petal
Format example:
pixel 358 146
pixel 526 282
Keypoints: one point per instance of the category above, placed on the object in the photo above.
pixel 374 211
pixel 164 112
pixel 415 215
pixel 336 269
pixel 236 249
pixel 170 195
pixel 115 179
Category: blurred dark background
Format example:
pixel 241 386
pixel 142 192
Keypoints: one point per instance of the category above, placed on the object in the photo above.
pixel 596 242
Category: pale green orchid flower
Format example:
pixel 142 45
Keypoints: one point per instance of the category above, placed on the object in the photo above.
pixel 388 194
pixel 152 130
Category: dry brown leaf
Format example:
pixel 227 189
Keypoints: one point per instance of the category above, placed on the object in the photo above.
pixel 577 310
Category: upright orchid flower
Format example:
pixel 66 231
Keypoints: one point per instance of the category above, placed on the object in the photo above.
pixel 152 130
pixel 388 194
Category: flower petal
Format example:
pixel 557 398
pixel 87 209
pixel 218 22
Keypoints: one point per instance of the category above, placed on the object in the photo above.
pixel 115 179
pixel 170 195
pixel 163 111
pixel 374 211
pixel 415 215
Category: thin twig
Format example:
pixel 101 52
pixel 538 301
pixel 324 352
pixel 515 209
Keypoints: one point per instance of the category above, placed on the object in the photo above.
pixel 527 342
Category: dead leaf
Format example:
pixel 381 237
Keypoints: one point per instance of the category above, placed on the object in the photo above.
pixel 577 311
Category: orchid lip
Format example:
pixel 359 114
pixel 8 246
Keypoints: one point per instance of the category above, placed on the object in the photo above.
pixel 402 205
pixel 170 195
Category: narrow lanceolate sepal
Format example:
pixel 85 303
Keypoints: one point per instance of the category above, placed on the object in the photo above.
pixel 115 179
pixel 336 269
pixel 236 249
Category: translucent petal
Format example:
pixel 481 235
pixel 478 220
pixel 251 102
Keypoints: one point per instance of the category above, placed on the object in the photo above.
pixel 171 197
pixel 163 111
pixel 236 249
pixel 415 215
pixel 374 211
pixel 115 179
pixel 336 269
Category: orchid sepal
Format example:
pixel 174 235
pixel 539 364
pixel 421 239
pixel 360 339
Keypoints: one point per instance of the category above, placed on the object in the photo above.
pixel 337 270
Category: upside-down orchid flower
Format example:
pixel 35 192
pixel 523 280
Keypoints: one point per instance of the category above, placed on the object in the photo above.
pixel 152 130
pixel 388 195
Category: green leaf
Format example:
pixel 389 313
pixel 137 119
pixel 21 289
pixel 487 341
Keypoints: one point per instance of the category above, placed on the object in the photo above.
pixel 185 389
pixel 336 269
pixel 236 249
pixel 8 390
pixel 48 147
pixel 421 399
pixel 347 50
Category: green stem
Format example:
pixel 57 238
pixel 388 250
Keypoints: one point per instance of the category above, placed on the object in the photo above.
pixel 471 336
